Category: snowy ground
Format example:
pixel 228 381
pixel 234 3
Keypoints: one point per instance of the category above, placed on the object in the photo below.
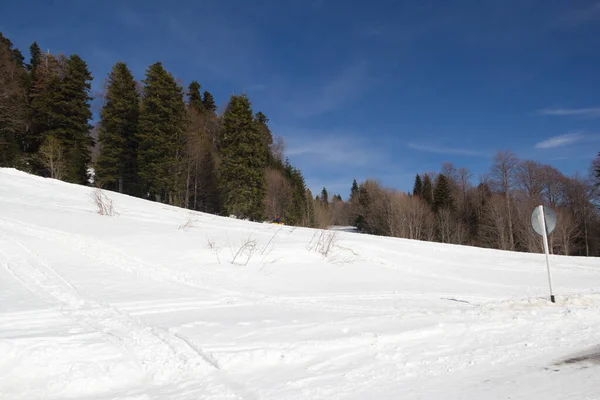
pixel 138 306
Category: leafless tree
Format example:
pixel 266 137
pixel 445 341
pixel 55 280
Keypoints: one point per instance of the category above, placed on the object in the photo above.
pixel 279 193
pixel 417 218
pixel 277 148
pixel 464 178
pixel 503 174
pixel 566 231
pixel 52 155
pixel 530 178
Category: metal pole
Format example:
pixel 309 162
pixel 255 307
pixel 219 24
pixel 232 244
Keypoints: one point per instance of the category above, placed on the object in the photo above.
pixel 545 236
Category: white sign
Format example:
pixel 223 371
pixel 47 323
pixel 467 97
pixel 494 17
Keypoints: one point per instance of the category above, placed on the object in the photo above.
pixel 549 219
pixel 543 222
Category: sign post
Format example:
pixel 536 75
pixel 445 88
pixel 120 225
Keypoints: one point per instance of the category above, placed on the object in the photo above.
pixel 543 222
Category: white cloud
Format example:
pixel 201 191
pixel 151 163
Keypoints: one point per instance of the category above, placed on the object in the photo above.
pixel 447 150
pixel 558 141
pixel 584 112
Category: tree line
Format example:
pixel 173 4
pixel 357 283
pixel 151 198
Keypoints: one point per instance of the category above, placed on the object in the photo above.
pixel 496 213
pixel 157 140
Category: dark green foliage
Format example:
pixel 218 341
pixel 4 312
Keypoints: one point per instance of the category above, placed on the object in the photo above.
pixel 353 190
pixel 364 203
pixel 117 163
pixel 13 105
pixel 194 97
pixel 297 210
pixel 427 191
pixel 208 197
pixel 209 102
pixel 73 112
pixel 36 57
pixel 324 196
pixel 596 168
pixel 442 194
pixel 60 102
pixel 266 136
pixel 418 187
pixel 243 162
pixel 161 127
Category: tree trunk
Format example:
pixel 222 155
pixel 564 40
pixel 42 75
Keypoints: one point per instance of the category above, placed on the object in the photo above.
pixel 510 224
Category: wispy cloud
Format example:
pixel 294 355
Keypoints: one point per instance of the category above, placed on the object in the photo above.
pixel 341 149
pixel 447 150
pixel 583 112
pixel 558 141
pixel 349 84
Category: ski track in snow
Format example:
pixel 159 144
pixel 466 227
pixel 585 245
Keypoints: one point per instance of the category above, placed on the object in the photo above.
pixel 167 357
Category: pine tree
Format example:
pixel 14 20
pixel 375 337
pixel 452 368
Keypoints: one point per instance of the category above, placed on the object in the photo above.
pixel 119 120
pixel 61 110
pixel 161 126
pixel 261 121
pixel 427 191
pixel 297 212
pixel 354 190
pixel 243 161
pixel 44 94
pixel 209 102
pixel 597 169
pixel 13 105
pixel 418 188
pixel 324 196
pixel 194 97
pixel 36 57
pixel 442 194
pixel 73 113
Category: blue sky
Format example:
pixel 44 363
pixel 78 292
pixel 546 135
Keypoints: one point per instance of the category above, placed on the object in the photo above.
pixel 380 89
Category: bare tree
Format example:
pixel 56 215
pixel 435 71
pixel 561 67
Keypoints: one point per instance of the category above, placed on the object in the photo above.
pixel 277 148
pixel 52 155
pixel 503 173
pixel 530 178
pixel 579 193
pixel 494 227
pixel 566 231
pixel 279 193
pixel 417 218
pixel 464 178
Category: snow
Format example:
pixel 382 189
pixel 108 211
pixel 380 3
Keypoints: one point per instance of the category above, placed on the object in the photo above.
pixel 150 304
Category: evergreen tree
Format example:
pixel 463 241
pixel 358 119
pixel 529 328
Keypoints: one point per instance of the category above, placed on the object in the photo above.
pixel 209 102
pixel 44 94
pixel 60 101
pixel 243 161
pixel 13 105
pixel 324 196
pixel 194 97
pixel 354 190
pixel 261 121
pixel 442 194
pixel 297 211
pixel 427 190
pixel 418 188
pixel 119 119
pixel 597 169
pixel 36 57
pixel 73 112
pixel 161 127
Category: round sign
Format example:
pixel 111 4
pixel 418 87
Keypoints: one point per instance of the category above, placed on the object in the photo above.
pixel 536 220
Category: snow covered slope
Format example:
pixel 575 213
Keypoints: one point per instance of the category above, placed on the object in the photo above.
pixel 163 303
